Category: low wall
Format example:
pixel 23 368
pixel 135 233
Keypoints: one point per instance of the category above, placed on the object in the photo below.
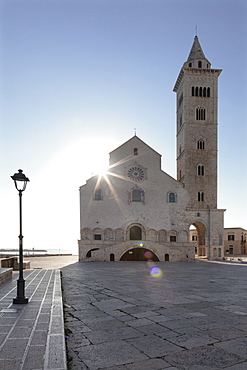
pixel 5 274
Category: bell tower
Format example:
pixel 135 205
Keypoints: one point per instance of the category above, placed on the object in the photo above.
pixel 197 110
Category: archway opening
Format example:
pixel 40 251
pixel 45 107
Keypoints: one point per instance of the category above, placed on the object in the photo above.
pixel 198 236
pixel 135 233
pixel 167 257
pixel 112 257
pixel 139 254
pixel 89 253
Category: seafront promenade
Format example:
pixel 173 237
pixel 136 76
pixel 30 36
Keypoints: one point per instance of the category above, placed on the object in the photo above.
pixel 122 315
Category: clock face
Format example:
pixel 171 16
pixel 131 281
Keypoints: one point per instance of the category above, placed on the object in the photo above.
pixel 135 173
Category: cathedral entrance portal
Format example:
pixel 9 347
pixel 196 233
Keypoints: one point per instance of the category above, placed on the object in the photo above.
pixel 139 254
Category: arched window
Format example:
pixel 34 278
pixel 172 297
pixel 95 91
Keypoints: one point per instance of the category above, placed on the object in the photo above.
pixel 137 195
pixel 200 91
pixel 200 196
pixel 199 64
pixel 196 91
pixel 135 151
pixel 190 65
pixel 200 144
pixel 200 114
pixel 172 197
pixel 135 233
pixel 204 92
pixel 208 92
pixel 200 170
pixel 193 91
pixel 98 194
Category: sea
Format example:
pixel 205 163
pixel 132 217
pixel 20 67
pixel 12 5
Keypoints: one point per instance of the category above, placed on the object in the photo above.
pixel 35 252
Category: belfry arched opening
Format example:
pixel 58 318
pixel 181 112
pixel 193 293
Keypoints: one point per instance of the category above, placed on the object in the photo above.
pixel 139 254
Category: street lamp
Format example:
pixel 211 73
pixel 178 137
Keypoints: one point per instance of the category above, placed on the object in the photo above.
pixel 20 183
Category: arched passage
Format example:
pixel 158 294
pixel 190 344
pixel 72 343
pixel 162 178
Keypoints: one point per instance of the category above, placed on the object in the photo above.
pixel 200 239
pixel 89 253
pixel 139 254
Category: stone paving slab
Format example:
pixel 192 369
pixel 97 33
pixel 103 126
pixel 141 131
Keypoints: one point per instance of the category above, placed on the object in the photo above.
pixel 32 334
pixel 118 317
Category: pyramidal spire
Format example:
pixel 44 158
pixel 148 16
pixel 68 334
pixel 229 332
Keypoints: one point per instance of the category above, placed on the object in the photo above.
pixel 196 51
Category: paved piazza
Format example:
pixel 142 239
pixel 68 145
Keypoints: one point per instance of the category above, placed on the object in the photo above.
pixel 189 316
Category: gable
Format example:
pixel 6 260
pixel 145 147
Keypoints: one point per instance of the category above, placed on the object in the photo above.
pixel 135 151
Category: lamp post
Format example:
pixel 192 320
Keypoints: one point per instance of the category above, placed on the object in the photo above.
pixel 20 183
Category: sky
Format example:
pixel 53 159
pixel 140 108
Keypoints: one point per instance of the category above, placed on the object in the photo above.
pixel 78 77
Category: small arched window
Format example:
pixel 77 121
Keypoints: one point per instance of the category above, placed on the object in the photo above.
pixel 98 194
pixel 136 195
pixel 199 64
pixel 204 91
pixel 200 91
pixel 193 91
pixel 172 197
pixel 190 65
pixel 135 151
pixel 200 144
pixel 208 92
pixel 196 90
pixel 200 170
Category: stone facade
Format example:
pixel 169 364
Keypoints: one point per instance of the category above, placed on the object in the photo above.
pixel 136 211
pixel 235 241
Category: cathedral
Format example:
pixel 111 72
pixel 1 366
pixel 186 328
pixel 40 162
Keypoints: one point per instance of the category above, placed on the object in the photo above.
pixel 136 211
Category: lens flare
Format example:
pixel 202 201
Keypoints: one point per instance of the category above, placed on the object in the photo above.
pixel 148 255
pixel 156 272
pixel 140 244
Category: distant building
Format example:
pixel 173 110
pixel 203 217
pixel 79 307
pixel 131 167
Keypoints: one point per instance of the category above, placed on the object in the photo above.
pixel 137 211
pixel 235 241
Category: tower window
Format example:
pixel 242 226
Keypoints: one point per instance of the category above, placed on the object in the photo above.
pixel 200 170
pixel 200 144
pixel 135 151
pixel 200 91
pixel 231 237
pixel 180 100
pixel 190 65
pixel 171 198
pixel 200 196
pixel 200 114
pixel 199 64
